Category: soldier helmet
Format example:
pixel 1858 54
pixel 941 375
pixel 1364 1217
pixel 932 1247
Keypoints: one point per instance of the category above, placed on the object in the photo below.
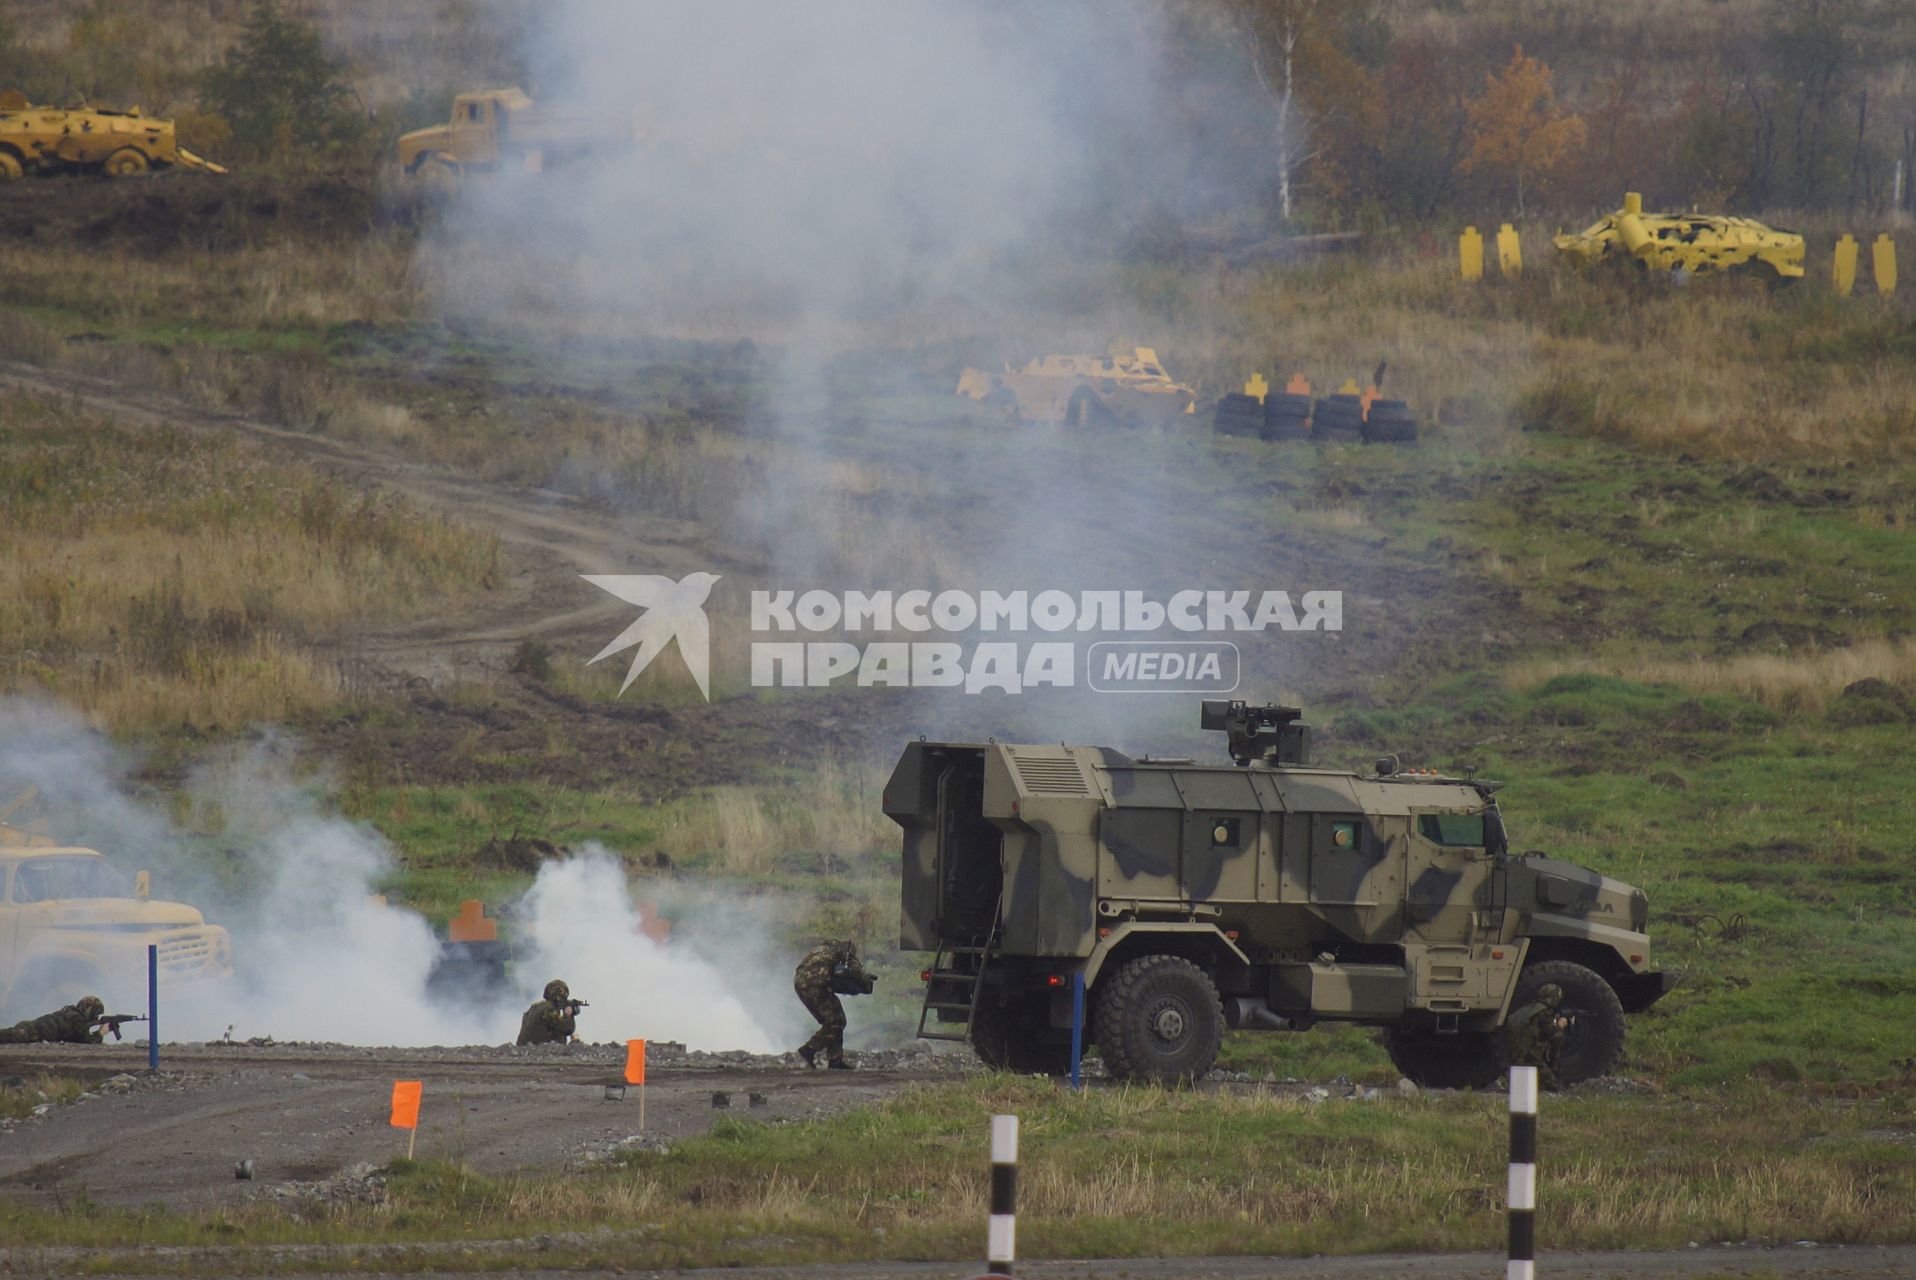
pixel 1551 994
pixel 90 1006
pixel 557 990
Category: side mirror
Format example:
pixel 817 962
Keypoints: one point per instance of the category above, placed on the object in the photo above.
pixel 143 885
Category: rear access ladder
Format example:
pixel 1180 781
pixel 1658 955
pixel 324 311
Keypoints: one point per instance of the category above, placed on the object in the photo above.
pixel 955 987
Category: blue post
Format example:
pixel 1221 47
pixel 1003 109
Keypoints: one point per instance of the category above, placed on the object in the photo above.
pixel 1077 1031
pixel 153 1008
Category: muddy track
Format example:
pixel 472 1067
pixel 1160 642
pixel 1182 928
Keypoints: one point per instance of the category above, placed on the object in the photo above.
pixel 547 539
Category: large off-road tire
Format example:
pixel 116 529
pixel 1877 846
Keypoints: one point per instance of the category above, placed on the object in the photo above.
pixel 1238 415
pixel 439 174
pixel 1158 1018
pixel 1593 1042
pixel 126 162
pixel 11 168
pixel 1085 409
pixel 1013 1039
pixel 1465 1060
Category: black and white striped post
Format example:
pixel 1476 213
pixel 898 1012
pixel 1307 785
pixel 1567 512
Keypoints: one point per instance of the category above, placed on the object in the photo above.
pixel 1001 1237
pixel 1522 1262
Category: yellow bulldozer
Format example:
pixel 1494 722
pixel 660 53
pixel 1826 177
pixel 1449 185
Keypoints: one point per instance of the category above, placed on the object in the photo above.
pixel 1687 243
pixel 55 140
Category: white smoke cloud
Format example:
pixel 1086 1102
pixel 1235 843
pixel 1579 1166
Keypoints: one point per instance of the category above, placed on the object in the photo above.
pixel 578 923
pixel 320 956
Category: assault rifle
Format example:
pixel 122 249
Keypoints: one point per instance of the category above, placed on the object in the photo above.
pixel 114 1021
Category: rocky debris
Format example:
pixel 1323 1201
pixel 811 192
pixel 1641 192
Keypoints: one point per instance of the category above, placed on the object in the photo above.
pixel 1407 1088
pixel 359 1184
pixel 600 1152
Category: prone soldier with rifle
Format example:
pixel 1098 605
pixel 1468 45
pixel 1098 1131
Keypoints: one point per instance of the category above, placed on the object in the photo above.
pixel 78 1023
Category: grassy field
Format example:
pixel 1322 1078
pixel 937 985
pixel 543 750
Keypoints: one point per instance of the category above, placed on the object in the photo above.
pixel 1124 1173
pixel 1670 530
pixel 159 580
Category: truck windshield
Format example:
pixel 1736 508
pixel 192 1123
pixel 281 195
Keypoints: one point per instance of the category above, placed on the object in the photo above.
pixel 52 879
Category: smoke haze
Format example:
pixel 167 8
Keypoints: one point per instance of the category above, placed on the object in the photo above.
pixel 319 956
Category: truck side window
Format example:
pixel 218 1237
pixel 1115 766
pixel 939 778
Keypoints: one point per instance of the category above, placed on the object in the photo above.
pixel 1452 828
pixel 1343 837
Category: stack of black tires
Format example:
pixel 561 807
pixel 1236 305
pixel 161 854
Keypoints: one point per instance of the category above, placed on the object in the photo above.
pixel 1287 416
pixel 1338 417
pixel 1390 422
pixel 1239 415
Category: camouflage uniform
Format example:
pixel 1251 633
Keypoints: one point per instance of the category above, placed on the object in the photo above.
pixel 1535 1038
pixel 551 1020
pixel 813 982
pixel 71 1025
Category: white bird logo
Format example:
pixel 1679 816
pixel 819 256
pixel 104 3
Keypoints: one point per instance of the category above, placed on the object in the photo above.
pixel 673 611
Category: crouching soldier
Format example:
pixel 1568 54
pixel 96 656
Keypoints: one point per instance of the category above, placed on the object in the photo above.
pixel 829 970
pixel 1536 1033
pixel 71 1025
pixel 551 1020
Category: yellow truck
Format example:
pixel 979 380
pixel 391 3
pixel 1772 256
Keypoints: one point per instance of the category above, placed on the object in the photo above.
pixel 496 130
pixel 71 924
pixel 47 140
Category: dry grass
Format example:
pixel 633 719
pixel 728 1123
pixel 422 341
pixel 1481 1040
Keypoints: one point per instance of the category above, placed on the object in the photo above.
pixel 1721 369
pixel 745 830
pixel 1794 682
pixel 158 578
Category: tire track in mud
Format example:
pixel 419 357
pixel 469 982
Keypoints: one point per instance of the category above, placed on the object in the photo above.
pixel 547 538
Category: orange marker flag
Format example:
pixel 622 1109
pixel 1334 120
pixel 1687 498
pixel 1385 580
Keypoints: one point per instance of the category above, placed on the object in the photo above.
pixel 635 1062
pixel 405 1104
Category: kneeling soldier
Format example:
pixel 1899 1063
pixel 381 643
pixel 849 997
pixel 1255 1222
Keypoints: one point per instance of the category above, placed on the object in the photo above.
pixel 553 1019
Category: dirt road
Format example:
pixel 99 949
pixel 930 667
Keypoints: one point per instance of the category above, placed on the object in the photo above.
pixel 548 539
pixel 309 1114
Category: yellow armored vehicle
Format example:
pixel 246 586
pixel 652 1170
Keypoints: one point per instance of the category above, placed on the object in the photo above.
pixel 71 925
pixel 1260 894
pixel 120 143
pixel 1133 390
pixel 498 129
pixel 1685 242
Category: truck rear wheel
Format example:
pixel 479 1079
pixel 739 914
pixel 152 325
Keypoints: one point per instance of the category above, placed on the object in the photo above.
pixel 1593 1042
pixel 1158 1018
pixel 10 166
pixel 1014 1039
pixel 1463 1060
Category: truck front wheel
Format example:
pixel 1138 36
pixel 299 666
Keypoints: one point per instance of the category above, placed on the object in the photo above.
pixel 1593 1042
pixel 1158 1018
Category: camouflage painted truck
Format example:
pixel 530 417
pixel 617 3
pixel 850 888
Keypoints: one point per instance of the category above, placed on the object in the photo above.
pixel 1264 895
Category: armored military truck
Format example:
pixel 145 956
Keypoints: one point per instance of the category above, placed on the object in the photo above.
pixel 1262 894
